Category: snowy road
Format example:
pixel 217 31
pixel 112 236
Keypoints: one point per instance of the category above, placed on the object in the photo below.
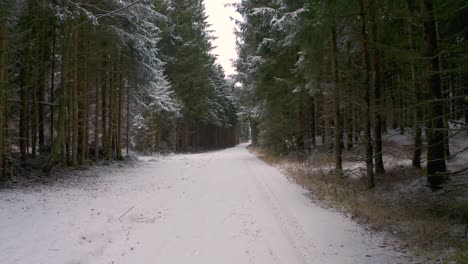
pixel 218 207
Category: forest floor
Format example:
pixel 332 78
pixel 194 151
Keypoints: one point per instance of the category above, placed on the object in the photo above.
pixel 218 207
pixel 432 225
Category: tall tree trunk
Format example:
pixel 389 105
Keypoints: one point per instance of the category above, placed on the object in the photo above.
pixel 66 85
pixel 379 166
pixel 417 112
pixel 401 103
pixel 109 140
pixel 104 92
pixel 96 118
pixel 74 103
pixel 186 136
pixel 436 166
pixel 23 114
pixel 322 120
pixel 349 107
pixel 464 104
pixel 445 94
pixel 59 144
pixel 3 94
pixel 84 103
pixel 367 99
pixel 87 92
pixel 338 145
pixel 127 139
pixel 119 118
pixel 52 86
pixel 34 85
pixel 41 85
pixel 312 121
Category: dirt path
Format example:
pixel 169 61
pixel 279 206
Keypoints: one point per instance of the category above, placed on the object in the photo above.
pixel 218 207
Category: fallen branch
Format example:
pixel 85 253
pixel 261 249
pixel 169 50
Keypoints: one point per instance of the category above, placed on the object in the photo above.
pixel 126 212
pixel 30 102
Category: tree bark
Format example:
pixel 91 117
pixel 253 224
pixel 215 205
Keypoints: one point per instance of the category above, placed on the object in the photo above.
pixel 417 113
pixel 23 114
pixel 109 140
pixel 41 86
pixel 3 94
pixel 119 118
pixel 312 121
pixel 84 104
pixel 52 87
pixel 74 104
pixel 367 99
pixel 104 82
pixel 349 107
pixel 436 166
pixel 59 144
pixel 338 145
pixel 96 118
pixel 379 166
pixel 127 137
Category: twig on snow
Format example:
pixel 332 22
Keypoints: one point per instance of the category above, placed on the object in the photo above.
pixel 126 212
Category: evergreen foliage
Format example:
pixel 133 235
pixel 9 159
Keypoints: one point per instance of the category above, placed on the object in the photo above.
pixel 340 73
pixel 82 80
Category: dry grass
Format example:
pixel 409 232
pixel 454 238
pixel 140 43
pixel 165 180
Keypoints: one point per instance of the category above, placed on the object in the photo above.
pixel 427 223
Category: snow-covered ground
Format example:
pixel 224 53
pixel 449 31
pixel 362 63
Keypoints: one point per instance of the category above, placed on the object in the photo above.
pixel 218 207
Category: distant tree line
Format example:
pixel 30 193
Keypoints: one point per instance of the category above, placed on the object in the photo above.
pixel 85 80
pixel 345 72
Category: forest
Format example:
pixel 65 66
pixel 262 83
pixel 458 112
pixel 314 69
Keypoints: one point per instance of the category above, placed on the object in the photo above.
pixel 337 76
pixel 233 131
pixel 83 81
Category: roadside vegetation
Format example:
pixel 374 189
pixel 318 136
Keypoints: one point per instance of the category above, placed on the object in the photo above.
pixel 428 224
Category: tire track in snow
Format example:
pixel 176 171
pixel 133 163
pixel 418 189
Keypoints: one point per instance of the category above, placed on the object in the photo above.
pixel 288 225
pixel 250 202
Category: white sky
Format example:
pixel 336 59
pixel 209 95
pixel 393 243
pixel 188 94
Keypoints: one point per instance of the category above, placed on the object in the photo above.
pixel 219 17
